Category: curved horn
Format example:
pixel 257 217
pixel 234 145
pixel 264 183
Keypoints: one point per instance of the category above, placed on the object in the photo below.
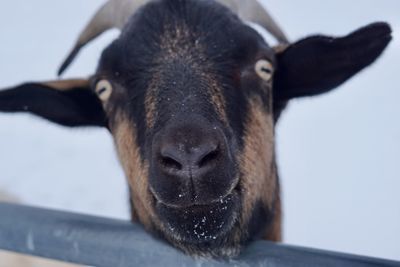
pixel 113 14
pixel 253 11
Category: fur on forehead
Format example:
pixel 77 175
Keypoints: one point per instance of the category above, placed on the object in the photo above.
pixel 202 21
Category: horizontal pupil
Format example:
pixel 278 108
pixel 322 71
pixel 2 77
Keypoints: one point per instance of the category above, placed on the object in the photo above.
pixel 102 90
pixel 266 70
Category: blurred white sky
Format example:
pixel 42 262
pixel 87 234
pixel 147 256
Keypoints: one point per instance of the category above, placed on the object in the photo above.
pixel 338 153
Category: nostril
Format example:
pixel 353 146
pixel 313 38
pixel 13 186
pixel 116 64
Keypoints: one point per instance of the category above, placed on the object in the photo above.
pixel 209 158
pixel 170 163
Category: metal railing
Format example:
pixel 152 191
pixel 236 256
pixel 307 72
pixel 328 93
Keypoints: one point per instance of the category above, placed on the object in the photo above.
pixel 102 242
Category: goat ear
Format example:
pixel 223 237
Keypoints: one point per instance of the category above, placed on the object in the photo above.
pixel 318 64
pixel 67 102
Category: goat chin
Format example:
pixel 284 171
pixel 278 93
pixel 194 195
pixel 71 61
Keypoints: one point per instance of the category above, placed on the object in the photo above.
pixel 8 259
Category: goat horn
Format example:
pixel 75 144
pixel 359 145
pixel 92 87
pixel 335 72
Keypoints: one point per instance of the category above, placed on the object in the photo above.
pixel 113 14
pixel 257 13
pixel 253 11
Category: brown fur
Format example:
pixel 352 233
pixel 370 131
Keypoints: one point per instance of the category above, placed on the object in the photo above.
pixel 135 169
pixel 259 179
pixel 274 231
pixel 150 101
pixel 66 85
pixel 217 98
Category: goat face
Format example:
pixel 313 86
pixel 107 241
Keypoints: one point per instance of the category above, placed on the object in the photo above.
pixel 191 95
pixel 193 122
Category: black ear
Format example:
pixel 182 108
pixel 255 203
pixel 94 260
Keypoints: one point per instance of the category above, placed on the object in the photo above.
pixel 69 103
pixel 318 64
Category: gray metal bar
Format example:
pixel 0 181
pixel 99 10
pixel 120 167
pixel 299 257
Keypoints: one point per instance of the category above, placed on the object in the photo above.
pixel 102 242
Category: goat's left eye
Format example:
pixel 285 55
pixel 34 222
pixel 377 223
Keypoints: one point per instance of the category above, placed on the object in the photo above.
pixel 104 89
pixel 264 69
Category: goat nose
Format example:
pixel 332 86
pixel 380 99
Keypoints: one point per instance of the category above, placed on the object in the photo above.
pixel 189 160
pixel 191 163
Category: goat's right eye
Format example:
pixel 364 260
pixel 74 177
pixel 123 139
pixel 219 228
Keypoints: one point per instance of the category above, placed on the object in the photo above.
pixel 104 90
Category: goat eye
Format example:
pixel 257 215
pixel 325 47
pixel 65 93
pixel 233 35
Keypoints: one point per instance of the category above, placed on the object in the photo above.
pixel 264 69
pixel 104 89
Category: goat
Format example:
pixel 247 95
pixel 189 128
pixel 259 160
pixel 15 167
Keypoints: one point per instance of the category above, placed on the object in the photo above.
pixel 191 94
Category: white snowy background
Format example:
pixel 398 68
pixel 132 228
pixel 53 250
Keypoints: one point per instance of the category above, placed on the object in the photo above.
pixel 339 154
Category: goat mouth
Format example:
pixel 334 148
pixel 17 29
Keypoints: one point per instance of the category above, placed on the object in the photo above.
pixel 198 224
